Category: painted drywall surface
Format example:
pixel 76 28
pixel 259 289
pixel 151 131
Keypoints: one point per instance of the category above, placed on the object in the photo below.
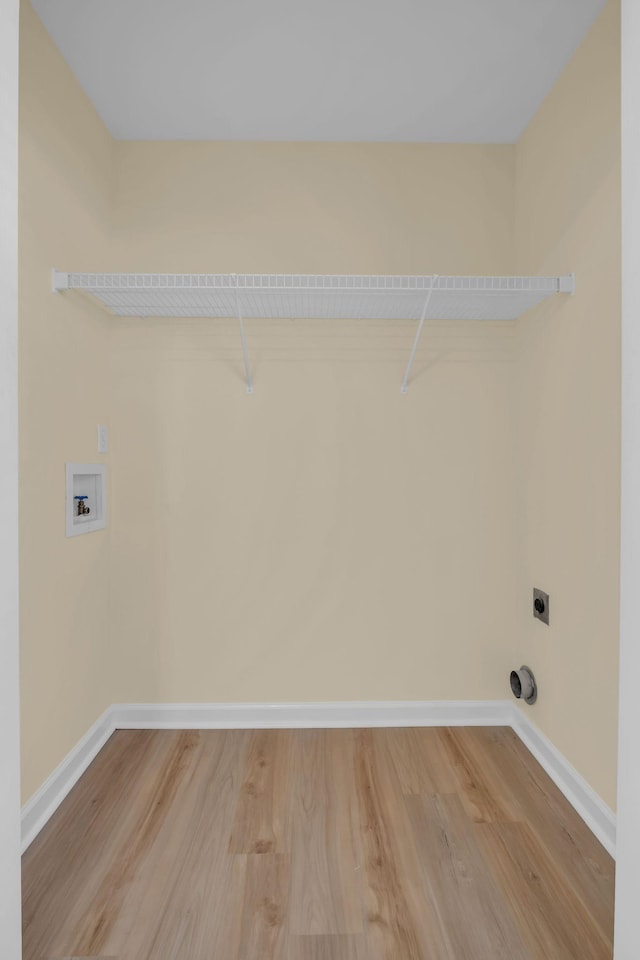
pixel 568 218
pixel 9 688
pixel 64 201
pixel 326 538
pixel 628 822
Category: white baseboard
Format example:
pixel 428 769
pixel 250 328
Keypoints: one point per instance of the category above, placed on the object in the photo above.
pixel 46 800
pixel 599 817
pixel 220 716
pixel 211 716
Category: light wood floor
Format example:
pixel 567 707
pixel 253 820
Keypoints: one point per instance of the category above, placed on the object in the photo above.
pixel 317 845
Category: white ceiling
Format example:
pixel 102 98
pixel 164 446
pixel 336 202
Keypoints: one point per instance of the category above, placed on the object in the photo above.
pixel 399 70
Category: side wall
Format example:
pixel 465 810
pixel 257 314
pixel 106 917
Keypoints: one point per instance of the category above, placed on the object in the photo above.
pixel 10 906
pixel 628 832
pixel 568 218
pixel 326 538
pixel 64 201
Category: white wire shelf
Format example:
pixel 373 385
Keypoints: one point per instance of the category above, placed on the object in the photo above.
pixel 314 296
pixel 295 296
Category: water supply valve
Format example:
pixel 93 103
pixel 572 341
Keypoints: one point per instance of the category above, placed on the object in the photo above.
pixel 82 507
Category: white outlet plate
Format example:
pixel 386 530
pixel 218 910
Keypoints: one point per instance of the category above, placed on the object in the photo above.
pixel 86 480
pixel 103 439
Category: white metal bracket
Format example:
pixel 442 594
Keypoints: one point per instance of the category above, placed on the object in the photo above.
pixel 567 284
pixel 59 281
pixel 245 352
pixel 407 373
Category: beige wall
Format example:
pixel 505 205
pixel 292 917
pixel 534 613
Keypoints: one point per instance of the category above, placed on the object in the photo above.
pixel 325 538
pixel 568 218
pixel 66 178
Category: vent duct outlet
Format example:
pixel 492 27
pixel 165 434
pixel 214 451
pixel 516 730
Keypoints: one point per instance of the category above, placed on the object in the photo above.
pixel 523 685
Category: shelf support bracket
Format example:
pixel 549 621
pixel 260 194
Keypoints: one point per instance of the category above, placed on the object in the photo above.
pixel 567 284
pixel 243 339
pixel 405 383
pixel 59 281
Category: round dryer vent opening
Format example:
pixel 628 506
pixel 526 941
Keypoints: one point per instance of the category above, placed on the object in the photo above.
pixel 523 685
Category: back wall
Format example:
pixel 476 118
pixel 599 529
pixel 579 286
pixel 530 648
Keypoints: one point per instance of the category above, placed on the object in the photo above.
pixel 325 538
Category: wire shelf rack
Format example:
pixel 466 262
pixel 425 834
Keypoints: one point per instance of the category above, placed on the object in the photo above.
pixel 295 296
pixel 315 296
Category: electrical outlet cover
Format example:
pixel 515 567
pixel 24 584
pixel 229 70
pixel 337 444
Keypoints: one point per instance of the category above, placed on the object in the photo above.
pixel 541 605
pixel 103 439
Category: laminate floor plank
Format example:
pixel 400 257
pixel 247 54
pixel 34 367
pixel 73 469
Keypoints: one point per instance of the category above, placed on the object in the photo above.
pixel 420 759
pixel 64 871
pixel 541 900
pixel 586 865
pixel 96 914
pixel 264 913
pixel 478 784
pixel 258 825
pixel 474 918
pixel 401 921
pixel 407 844
pixel 328 947
pixel 324 824
pixel 187 898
